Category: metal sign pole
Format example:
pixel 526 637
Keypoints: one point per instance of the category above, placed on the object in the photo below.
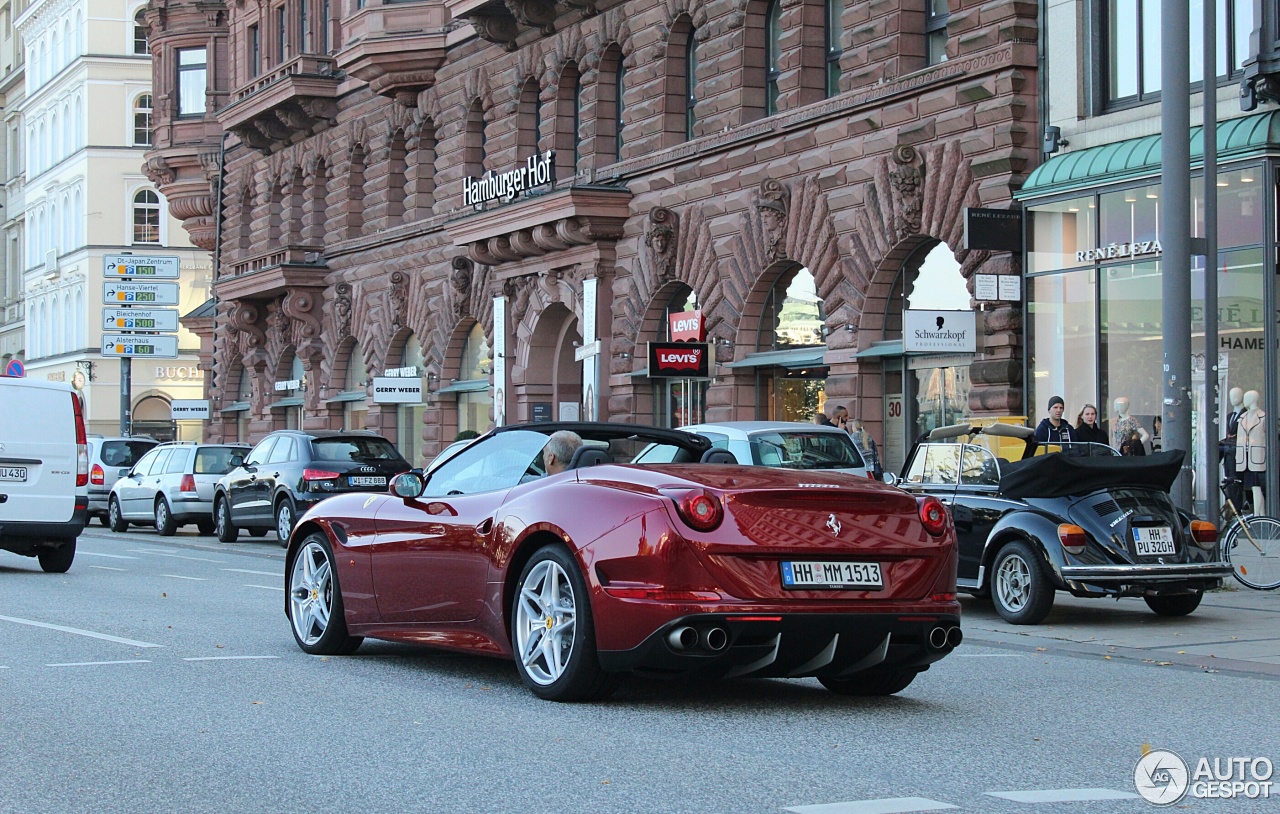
pixel 126 396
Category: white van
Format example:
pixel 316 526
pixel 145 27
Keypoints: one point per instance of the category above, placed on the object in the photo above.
pixel 44 471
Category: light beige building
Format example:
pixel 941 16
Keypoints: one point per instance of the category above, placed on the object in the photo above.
pixel 12 310
pixel 85 123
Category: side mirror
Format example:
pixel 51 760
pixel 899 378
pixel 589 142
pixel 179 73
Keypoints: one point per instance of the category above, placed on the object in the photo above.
pixel 408 485
pixel 891 479
pixel 237 460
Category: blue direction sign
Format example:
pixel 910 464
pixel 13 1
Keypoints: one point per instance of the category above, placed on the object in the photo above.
pixel 151 267
pixel 140 319
pixel 133 345
pixel 131 293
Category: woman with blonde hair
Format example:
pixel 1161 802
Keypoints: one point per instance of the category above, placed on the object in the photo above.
pixel 1087 428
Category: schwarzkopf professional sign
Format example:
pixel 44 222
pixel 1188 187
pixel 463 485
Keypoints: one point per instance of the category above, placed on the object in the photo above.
pixel 539 170
pixel 934 331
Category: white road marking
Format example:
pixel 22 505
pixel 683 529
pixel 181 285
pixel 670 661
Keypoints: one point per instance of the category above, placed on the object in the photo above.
pixel 228 658
pixel 96 663
pixel 179 576
pixel 97 554
pixel 259 573
pixel 265 587
pixel 77 631
pixel 991 655
pixel 1061 795
pixel 108 568
pixel 174 555
pixel 891 805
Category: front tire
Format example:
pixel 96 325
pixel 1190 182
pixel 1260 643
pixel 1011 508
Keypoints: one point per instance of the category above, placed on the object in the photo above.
pixel 553 632
pixel 1174 604
pixel 57 560
pixel 165 524
pixel 1020 590
pixel 206 527
pixel 315 601
pixel 284 521
pixel 115 519
pixel 225 529
pixel 871 684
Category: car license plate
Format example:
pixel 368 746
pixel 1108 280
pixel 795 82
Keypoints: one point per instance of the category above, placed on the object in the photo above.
pixel 13 473
pixel 838 575
pixel 1153 541
pixel 366 480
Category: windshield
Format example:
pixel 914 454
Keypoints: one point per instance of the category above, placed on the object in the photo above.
pixel 353 449
pixel 805 450
pixel 124 453
pixel 497 462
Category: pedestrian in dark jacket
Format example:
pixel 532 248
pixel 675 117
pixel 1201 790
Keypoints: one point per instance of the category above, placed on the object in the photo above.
pixel 1087 429
pixel 1053 430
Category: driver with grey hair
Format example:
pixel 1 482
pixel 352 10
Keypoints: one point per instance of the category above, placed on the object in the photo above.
pixel 559 450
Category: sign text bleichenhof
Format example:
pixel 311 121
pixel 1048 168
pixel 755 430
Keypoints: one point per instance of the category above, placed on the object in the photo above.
pixel 505 186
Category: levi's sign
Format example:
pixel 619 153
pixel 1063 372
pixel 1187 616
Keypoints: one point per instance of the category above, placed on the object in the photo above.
pixel 539 170
pixel 679 360
pixel 687 326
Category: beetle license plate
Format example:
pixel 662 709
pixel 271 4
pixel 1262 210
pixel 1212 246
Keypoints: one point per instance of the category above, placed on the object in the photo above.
pixel 1153 541
pixel 366 480
pixel 807 574
pixel 13 473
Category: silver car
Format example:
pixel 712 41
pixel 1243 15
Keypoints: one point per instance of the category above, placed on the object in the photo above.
pixel 785 445
pixel 111 458
pixel 171 486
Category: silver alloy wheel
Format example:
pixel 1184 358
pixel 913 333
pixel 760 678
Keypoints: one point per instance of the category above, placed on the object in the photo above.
pixel 284 521
pixel 311 593
pixel 113 512
pixel 162 514
pixel 222 518
pixel 1013 583
pixel 545 623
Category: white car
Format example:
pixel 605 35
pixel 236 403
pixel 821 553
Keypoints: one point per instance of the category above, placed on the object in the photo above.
pixel 785 445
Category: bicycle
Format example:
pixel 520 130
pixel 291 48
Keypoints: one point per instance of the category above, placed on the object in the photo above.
pixel 1251 546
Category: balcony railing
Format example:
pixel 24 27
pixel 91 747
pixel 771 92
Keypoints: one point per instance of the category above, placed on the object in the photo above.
pixel 285 105
pixel 306 65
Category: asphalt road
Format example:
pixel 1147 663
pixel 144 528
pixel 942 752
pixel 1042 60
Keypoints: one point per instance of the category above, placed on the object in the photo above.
pixel 160 675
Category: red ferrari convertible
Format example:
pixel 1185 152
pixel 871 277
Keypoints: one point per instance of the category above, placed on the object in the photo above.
pixel 648 554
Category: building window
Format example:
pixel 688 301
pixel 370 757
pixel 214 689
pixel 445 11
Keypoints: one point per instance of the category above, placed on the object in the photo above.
pixel 192 81
pixel 690 85
pixel 1132 46
pixel 527 120
pixel 142 121
pixel 936 14
pixel 324 27
pixel 281 22
pixel 619 87
pixel 140 33
pixel 568 142
pixel 772 55
pixel 146 217
pixel 834 34
pixel 474 146
pixel 255 51
pixel 304 26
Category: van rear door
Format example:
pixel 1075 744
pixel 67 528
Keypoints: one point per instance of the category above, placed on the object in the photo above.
pixel 38 455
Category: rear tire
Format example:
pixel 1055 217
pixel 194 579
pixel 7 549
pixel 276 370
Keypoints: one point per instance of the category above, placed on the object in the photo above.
pixel 206 527
pixel 165 524
pixel 115 520
pixel 871 684
pixel 315 601
pixel 1174 604
pixel 57 560
pixel 258 532
pixel 1020 590
pixel 285 518
pixel 225 529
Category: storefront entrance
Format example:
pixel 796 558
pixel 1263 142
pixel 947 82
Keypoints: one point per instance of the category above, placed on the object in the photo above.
pixel 552 388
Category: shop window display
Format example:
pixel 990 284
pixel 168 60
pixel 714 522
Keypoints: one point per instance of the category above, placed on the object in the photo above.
pixel 1062 329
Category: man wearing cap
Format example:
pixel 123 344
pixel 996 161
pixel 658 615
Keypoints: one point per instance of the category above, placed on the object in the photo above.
pixel 1053 430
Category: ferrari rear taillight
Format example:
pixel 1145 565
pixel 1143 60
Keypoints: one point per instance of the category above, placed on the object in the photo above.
pixel 1204 533
pixel 661 594
pixel 97 477
pixel 82 443
pixel 188 483
pixel 698 508
pixel 942 598
pixel 1073 538
pixel 933 515
pixel 319 474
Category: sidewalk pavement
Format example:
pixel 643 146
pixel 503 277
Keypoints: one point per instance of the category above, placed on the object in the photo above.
pixel 1235 630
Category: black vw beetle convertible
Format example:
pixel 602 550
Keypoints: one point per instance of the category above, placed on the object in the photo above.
pixel 1073 517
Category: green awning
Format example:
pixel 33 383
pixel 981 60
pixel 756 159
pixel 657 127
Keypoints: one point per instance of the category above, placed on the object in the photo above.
pixel 642 373
pixel 292 401
pixel 1140 157
pixel 342 398
pixel 236 407
pixel 466 386
pixel 891 347
pixel 794 358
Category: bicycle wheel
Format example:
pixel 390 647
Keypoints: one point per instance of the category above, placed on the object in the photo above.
pixel 1255 556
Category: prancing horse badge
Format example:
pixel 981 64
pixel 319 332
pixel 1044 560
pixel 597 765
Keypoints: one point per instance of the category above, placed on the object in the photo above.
pixel 834 525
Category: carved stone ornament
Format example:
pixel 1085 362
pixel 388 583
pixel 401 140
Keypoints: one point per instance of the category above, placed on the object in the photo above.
pixel 539 14
pixel 460 283
pixel 775 211
pixel 159 171
pixel 244 318
pixel 342 310
pixel 398 298
pixel 661 242
pixel 907 180
pixel 500 28
pixel 518 291
pixel 278 323
pixel 300 305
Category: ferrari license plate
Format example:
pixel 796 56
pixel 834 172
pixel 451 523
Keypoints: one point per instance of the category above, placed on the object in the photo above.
pixel 13 473
pixel 1153 541
pixel 833 575
pixel 367 480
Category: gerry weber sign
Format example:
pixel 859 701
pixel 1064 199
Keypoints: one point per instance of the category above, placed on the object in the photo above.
pixel 947 331
pixel 540 169
pixel 1116 251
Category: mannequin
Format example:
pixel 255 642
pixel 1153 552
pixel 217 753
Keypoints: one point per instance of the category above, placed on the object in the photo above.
pixel 1125 425
pixel 1251 448
pixel 1227 446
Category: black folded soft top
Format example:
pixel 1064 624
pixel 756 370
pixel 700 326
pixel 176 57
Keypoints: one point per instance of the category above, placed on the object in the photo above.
pixel 1060 474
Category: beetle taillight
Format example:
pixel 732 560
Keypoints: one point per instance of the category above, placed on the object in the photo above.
pixel 1204 533
pixel 1073 538
pixel 933 515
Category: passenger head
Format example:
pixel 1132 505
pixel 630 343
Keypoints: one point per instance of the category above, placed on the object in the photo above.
pixel 820 418
pixel 559 450
pixel 1088 416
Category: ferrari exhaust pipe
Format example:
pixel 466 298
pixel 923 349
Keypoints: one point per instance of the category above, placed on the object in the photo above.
pixel 682 638
pixel 938 638
pixel 954 637
pixel 714 639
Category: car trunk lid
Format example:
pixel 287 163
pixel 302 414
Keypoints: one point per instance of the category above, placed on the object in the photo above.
pixel 1130 523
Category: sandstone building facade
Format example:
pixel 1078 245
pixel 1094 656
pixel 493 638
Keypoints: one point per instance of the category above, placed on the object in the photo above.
pixel 784 167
